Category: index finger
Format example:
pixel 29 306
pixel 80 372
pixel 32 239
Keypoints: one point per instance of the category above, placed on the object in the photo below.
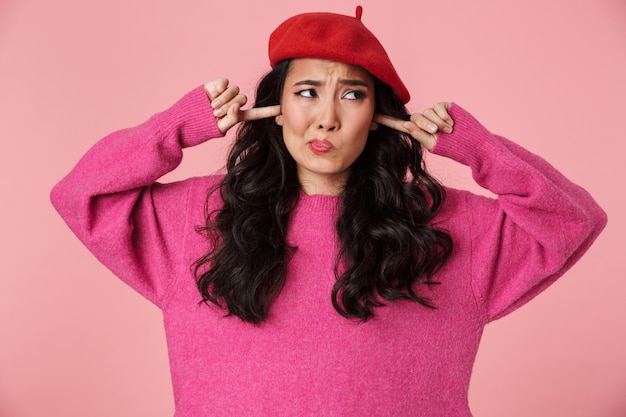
pixel 257 113
pixel 391 122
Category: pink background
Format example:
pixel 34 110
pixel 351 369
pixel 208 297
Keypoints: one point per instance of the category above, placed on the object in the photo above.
pixel 548 74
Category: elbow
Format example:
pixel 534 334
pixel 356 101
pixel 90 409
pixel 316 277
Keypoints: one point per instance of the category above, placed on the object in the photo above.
pixel 590 225
pixel 57 198
pixel 598 222
pixel 67 204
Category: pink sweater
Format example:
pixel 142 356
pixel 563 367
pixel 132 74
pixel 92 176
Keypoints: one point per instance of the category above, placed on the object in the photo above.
pixel 307 360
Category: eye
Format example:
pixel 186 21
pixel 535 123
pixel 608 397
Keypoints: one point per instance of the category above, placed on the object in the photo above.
pixel 309 93
pixel 354 95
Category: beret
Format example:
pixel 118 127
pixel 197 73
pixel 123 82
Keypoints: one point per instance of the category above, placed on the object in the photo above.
pixel 335 37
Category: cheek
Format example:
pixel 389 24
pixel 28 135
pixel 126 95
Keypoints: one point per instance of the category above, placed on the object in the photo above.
pixel 363 123
pixel 294 118
pixel 361 131
pixel 294 121
pixel 360 144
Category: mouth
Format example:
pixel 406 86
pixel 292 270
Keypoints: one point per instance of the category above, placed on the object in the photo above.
pixel 320 146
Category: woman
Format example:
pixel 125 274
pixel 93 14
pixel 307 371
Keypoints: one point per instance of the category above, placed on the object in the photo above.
pixel 326 273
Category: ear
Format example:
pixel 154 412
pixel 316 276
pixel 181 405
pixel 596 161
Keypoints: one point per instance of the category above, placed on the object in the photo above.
pixel 374 125
pixel 279 120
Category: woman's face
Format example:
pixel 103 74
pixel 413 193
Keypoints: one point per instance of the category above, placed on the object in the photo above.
pixel 327 111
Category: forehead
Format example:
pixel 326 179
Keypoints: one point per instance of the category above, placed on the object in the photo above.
pixel 321 69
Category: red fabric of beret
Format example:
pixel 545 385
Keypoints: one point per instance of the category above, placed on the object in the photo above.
pixel 338 38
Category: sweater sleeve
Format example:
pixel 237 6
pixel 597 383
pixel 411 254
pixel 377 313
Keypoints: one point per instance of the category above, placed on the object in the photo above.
pixel 112 202
pixel 539 225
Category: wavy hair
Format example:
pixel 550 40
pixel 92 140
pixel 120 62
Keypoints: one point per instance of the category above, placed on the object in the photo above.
pixel 388 244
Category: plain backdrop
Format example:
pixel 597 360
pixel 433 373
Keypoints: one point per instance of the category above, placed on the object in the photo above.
pixel 548 74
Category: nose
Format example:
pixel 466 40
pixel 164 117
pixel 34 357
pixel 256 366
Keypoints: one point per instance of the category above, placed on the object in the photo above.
pixel 328 119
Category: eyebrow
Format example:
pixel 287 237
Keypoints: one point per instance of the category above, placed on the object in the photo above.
pixel 344 81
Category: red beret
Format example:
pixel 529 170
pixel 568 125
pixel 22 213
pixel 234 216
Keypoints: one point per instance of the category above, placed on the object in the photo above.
pixel 338 38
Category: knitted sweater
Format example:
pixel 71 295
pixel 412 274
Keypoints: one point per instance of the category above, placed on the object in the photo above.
pixel 307 360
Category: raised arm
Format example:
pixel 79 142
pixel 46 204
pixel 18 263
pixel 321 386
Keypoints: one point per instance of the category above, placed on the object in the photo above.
pixel 538 227
pixel 111 199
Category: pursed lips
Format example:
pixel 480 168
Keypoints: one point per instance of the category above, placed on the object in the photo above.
pixel 320 146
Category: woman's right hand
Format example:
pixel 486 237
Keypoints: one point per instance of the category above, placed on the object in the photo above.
pixel 226 101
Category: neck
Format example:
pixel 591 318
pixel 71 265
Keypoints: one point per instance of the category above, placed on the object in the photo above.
pixel 323 188
pixel 313 184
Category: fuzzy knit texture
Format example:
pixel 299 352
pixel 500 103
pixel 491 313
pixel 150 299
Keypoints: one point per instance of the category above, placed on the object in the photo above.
pixel 307 360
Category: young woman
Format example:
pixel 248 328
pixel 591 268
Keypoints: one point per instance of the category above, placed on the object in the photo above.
pixel 326 273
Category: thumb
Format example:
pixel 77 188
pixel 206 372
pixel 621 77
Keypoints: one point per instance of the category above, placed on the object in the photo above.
pixel 230 119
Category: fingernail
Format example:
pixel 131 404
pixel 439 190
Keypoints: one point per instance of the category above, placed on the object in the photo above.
pixel 432 128
pixel 447 129
pixel 218 113
pixel 216 103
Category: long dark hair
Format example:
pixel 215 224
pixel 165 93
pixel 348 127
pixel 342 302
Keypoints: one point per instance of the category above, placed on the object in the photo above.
pixel 388 244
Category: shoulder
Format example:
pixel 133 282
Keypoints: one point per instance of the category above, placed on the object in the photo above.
pixel 459 204
pixel 465 214
pixel 192 192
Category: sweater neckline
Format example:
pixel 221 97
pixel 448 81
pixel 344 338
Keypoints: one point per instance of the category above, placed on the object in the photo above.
pixel 319 202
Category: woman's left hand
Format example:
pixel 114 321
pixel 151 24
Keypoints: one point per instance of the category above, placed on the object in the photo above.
pixel 424 127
